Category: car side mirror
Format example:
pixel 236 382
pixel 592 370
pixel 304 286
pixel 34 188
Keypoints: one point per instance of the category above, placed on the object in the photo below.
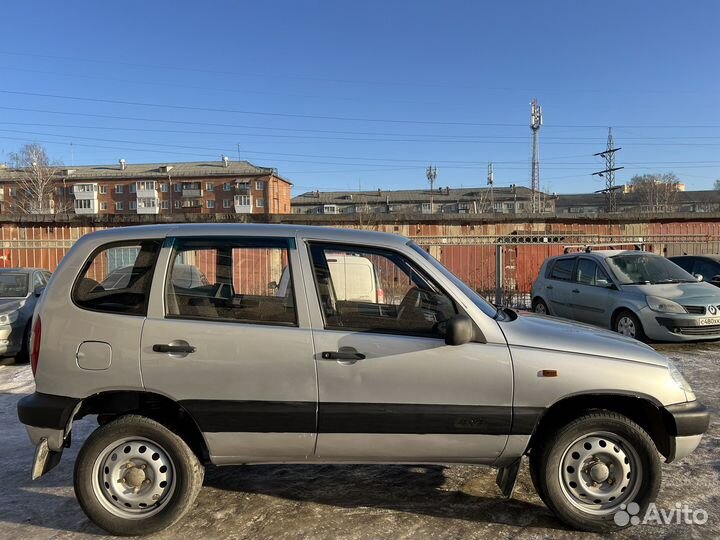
pixel 605 284
pixel 699 277
pixel 39 290
pixel 716 278
pixel 273 285
pixel 459 330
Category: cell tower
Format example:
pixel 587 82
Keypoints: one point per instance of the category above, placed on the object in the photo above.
pixel 536 120
pixel 431 175
pixel 491 183
pixel 609 172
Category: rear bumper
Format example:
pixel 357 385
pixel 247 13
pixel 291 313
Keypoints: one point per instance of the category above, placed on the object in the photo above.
pixel 687 423
pixel 46 410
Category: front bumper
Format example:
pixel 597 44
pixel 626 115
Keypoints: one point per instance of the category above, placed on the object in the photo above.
pixel 676 327
pixel 687 423
pixel 10 340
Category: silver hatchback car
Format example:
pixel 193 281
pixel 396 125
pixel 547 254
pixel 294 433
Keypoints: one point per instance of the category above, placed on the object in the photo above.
pixel 635 293
pixel 232 369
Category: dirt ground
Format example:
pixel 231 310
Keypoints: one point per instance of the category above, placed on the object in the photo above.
pixel 352 502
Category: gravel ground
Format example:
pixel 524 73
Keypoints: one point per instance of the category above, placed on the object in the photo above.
pixel 358 502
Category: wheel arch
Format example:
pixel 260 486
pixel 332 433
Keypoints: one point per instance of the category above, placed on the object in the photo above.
pixel 644 410
pixel 617 312
pixel 114 403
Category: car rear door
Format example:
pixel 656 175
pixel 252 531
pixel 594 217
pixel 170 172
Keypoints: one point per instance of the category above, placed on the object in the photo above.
pixel 230 350
pixel 591 298
pixel 389 386
pixel 559 286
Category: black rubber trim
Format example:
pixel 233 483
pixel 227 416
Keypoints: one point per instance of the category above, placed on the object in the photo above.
pixel 691 418
pixel 300 417
pixel 46 410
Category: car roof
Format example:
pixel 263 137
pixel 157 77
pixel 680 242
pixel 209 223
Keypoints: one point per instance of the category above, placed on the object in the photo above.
pixel 246 229
pixel 606 253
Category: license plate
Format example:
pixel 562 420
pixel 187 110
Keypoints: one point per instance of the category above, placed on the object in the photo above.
pixel 709 321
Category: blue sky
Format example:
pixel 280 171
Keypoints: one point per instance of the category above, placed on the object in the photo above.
pixel 348 95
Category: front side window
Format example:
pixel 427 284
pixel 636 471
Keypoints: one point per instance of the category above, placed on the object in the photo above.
pixel 589 273
pixel 371 290
pixel 243 280
pixel 562 269
pixel 117 278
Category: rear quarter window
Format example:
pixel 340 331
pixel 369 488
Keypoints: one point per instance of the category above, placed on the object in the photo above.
pixel 562 269
pixel 117 277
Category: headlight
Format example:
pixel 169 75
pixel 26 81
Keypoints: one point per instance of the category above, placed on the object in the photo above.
pixel 8 318
pixel 678 377
pixel 664 305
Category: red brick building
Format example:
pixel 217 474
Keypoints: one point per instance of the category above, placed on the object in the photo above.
pixel 221 187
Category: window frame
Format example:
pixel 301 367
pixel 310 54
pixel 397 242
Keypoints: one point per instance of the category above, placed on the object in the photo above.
pixel 598 266
pixel 235 242
pixel 573 259
pixel 111 245
pixel 383 252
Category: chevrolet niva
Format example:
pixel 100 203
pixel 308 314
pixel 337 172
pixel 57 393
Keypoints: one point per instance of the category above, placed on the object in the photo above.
pixel 234 369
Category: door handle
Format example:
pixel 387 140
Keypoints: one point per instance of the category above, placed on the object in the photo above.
pixel 549 287
pixel 173 349
pixel 575 290
pixel 342 355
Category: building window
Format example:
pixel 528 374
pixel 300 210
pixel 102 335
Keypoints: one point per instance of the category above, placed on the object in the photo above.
pixel 119 206
pixel 103 189
pixel 13 191
pixel 83 204
pixel 176 204
pixel 227 186
pixel 119 188
pixel 226 203
pixel 210 203
pixel 260 202
pixel 177 188
pixel 103 206
pixel 148 185
pixel 164 187
pixel 259 185
pixel 426 208
pixel 242 200
pixel 132 188
pixel 133 205
pixel 165 205
pixel 210 187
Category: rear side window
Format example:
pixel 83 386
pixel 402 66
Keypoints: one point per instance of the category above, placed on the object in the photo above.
pixel 117 278
pixel 245 280
pixel 562 269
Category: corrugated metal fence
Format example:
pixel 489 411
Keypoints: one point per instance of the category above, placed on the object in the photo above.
pixel 501 265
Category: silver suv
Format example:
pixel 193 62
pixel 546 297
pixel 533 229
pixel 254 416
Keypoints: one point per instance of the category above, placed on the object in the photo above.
pixel 232 369
pixel 635 293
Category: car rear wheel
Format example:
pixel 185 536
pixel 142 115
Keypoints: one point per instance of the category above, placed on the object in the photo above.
pixel 540 307
pixel 133 476
pixel 590 470
pixel 23 356
pixel 627 324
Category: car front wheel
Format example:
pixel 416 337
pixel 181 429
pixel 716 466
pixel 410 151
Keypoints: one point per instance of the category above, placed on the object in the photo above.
pixel 540 307
pixel 627 324
pixel 133 476
pixel 590 470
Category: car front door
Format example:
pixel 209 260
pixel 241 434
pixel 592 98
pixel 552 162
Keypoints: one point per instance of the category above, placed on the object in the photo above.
pixel 591 295
pixel 559 287
pixel 230 350
pixel 389 386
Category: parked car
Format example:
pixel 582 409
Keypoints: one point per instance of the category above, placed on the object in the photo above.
pixel 231 373
pixel 705 266
pixel 636 293
pixel 19 291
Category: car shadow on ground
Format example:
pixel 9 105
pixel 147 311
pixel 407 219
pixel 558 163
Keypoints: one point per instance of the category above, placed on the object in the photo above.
pixel 413 489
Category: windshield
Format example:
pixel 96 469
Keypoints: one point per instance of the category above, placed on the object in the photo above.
pixel 476 299
pixel 13 285
pixel 641 268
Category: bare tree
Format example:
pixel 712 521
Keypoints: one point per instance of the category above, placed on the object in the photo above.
pixel 657 192
pixel 716 185
pixel 36 182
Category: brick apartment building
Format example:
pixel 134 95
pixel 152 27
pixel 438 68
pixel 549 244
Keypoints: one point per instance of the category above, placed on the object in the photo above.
pixel 220 187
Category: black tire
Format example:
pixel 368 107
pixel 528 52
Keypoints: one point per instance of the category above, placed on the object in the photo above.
pixel 540 307
pixel 188 475
pixel 629 315
pixel 23 356
pixel 548 465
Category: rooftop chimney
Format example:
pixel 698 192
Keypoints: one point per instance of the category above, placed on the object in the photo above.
pixel 226 161
pixel 123 164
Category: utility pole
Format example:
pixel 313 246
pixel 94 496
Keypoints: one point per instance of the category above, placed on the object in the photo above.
pixel 609 172
pixel 238 149
pixel 491 183
pixel 431 175
pixel 536 120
